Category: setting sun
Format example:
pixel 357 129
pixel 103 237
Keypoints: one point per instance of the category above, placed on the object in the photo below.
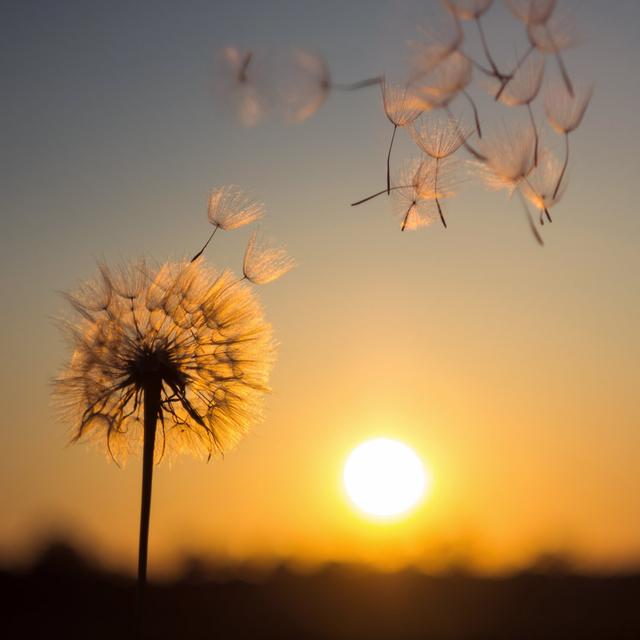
pixel 384 477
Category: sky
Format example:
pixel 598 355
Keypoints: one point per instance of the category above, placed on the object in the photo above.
pixel 511 369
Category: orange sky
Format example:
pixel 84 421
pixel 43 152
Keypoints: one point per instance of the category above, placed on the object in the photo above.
pixel 511 370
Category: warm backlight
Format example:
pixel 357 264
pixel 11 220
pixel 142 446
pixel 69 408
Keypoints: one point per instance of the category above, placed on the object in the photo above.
pixel 384 477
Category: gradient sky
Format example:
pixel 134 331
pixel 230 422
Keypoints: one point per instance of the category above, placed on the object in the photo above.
pixel 512 370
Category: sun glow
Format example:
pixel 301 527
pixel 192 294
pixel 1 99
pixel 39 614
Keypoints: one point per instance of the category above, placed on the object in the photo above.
pixel 384 478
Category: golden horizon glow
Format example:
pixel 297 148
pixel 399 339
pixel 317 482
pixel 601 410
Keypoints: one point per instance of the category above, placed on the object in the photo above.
pixel 385 478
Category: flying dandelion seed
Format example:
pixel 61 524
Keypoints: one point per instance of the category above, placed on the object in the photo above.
pixel 305 86
pixel 229 208
pixel 439 139
pixel 414 199
pixel 473 10
pixel 540 186
pixel 447 80
pixel 565 113
pixel 553 36
pixel 523 89
pixel 510 161
pixel 437 44
pixel 168 359
pixel 401 108
pixel 238 82
pixel 265 262
pixel 509 158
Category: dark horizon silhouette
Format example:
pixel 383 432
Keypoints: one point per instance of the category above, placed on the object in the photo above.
pixel 63 594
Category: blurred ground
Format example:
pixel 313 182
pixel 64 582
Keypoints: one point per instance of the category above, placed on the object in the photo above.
pixel 63 596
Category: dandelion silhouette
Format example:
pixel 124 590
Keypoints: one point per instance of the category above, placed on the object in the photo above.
pixel 565 113
pixel 229 208
pixel 305 84
pixel 263 261
pixel 439 139
pixel 510 161
pixel 552 36
pixel 523 89
pixel 401 108
pixel 169 359
pixel 541 186
pixel 237 81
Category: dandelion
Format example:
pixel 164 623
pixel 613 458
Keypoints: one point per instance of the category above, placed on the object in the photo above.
pixel 438 44
pixel 414 200
pixel 533 13
pixel 440 87
pixel 565 112
pixel 265 262
pixel 236 81
pixel 509 158
pixel 401 108
pixel 540 186
pixel 523 89
pixel 445 81
pixel 173 358
pixel 473 10
pixel 439 139
pixel 307 83
pixel 509 162
pixel 228 208
pixel 553 36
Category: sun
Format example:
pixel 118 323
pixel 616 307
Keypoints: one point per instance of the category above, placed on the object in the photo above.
pixel 384 478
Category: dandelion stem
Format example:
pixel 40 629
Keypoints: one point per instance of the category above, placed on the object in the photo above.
pixel 478 66
pixel 485 48
pixel 532 226
pixel 395 128
pixel 354 86
pixel 206 244
pixel 561 65
pixel 508 78
pixel 152 390
pixel 244 65
pixel 405 220
pixel 379 193
pixel 475 112
pixel 435 190
pixel 565 74
pixel 564 166
pixel 535 134
pixel 476 154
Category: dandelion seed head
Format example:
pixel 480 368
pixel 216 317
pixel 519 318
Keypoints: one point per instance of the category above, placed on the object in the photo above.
pixel 265 262
pixel 198 333
pixel 229 208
